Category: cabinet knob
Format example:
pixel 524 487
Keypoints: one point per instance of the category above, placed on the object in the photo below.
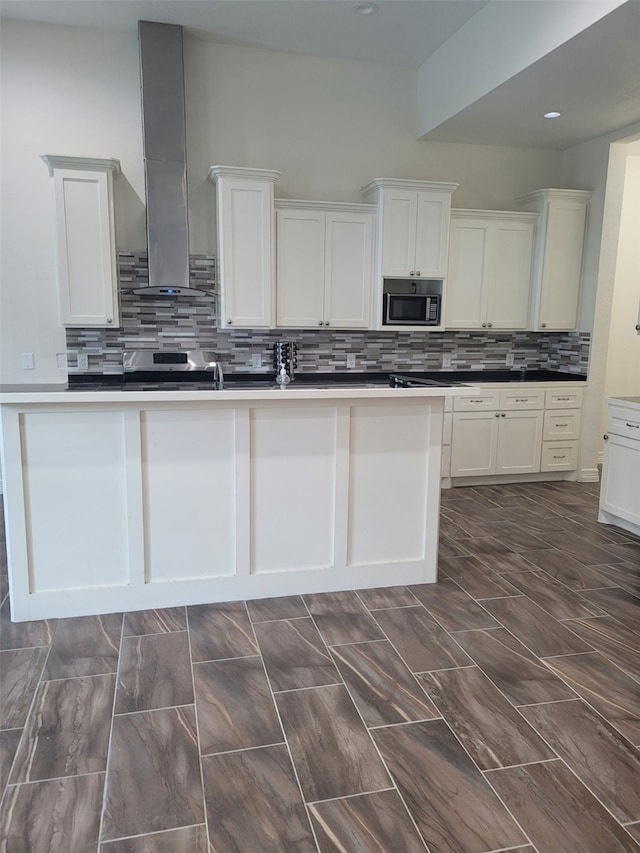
pixel 484 325
pixel 417 272
pixel 319 322
pixel 497 415
pixel 543 325
pixel 326 322
pixel 229 322
pixel 638 327
pixel 503 415
pixel 489 325
pixel 606 437
pixel 109 320
pixel 412 272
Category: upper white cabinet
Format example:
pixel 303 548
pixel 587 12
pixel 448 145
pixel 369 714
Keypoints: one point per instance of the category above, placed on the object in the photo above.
pixel 559 246
pixel 414 226
pixel 246 245
pixel 489 279
pixel 87 271
pixel 324 266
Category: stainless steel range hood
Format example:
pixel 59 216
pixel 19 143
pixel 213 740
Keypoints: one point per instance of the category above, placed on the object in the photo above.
pixel 165 160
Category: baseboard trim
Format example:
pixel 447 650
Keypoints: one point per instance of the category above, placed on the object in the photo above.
pixel 589 475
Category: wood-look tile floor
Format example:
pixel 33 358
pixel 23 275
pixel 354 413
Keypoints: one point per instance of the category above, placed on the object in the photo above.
pixel 498 709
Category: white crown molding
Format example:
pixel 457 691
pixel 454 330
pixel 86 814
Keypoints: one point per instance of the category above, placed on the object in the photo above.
pixel 307 204
pixel 459 212
pixel 91 164
pixel 247 173
pixel 406 184
pixel 555 195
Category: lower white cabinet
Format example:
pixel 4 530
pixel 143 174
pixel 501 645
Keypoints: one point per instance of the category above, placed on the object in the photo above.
pixel 87 273
pixel 620 485
pixel 515 430
pixel 486 443
pixel 324 264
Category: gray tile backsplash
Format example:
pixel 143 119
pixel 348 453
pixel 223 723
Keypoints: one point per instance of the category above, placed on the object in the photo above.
pixel 191 323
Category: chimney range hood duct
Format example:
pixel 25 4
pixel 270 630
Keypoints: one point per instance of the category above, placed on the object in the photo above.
pixel 165 166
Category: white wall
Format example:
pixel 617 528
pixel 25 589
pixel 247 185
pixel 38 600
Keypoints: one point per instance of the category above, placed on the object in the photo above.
pixel 328 126
pixel 599 165
pixel 623 356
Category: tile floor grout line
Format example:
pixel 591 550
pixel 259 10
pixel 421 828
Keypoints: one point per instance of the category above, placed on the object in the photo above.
pixel 152 833
pixel 197 724
pixel 350 796
pixel 55 779
pixel 523 763
pixel 152 634
pixel 28 714
pixel 404 723
pixel 105 788
pixel 243 749
pixel 284 733
pixel 153 710
pixel 371 738
pixel 575 698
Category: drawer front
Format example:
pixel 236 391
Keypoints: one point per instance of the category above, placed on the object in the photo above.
pixel 512 399
pixel 563 398
pixel 623 421
pixel 483 402
pixel 559 456
pixel 446 428
pixel 560 424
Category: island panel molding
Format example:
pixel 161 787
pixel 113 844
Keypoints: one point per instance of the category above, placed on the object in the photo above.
pixel 120 501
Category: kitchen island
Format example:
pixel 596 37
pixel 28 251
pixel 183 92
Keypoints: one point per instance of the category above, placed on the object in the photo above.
pixel 121 500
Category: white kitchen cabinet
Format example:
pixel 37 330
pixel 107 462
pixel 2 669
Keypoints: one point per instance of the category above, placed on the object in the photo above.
pixel 489 279
pixel 501 442
pixel 246 245
pixel 324 266
pixel 516 429
pixel 86 259
pixel 558 255
pixel 620 485
pixel 414 226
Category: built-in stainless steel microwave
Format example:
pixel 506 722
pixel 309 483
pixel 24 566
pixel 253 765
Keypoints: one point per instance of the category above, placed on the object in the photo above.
pixel 411 309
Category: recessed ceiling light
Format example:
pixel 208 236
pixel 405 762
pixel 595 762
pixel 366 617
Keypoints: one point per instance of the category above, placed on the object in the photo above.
pixel 365 8
pixel 552 114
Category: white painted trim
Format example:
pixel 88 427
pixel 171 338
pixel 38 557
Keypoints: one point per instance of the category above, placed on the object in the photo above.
pixel 511 215
pixel 335 206
pixel 402 184
pixel 243 172
pixel 94 164
pixel 588 475
pixel 555 194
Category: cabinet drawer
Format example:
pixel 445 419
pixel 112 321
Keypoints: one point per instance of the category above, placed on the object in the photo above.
pixel 622 421
pixel 482 402
pixel 513 398
pixel 563 398
pixel 559 456
pixel 446 428
pixel 561 424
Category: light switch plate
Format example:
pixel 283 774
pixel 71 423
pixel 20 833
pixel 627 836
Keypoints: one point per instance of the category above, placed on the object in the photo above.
pixel 510 359
pixel 446 360
pixel 256 360
pixel 26 361
pixel 83 361
pixel 351 361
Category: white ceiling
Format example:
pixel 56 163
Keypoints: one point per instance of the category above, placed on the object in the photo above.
pixel 594 78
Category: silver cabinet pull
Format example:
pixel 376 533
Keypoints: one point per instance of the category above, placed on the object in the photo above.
pixel 503 415
pixel 543 325
pixel 606 437
pixel 326 322
pixel 319 322
pixel 632 426
pixel 489 325
pixel 229 322
pixel 412 272
pixel 417 272
pixel 561 426
pixel 109 320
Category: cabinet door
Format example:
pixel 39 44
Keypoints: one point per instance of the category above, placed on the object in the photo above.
pixel 509 275
pixel 519 442
pixel 432 234
pixel 620 487
pixel 86 256
pixel 399 233
pixel 245 253
pixel 348 278
pixel 474 443
pixel 465 288
pixel 562 266
pixel 300 248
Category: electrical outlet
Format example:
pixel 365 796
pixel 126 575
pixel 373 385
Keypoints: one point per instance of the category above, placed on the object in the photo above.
pixel 446 360
pixel 351 361
pixel 256 360
pixel 83 361
pixel 509 359
pixel 26 360
pixel 61 360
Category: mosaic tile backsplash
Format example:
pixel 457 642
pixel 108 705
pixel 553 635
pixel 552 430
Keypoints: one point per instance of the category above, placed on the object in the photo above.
pixel 191 323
